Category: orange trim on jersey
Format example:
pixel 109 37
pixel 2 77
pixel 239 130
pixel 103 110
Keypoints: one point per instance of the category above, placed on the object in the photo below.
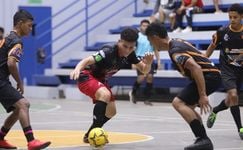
pixel 196 54
pixel 2 42
pixel 240 30
pixel 210 70
pixel 205 63
pixel 15 46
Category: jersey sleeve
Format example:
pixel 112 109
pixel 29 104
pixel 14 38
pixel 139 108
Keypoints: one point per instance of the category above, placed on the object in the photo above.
pixel 181 58
pixel 132 58
pixel 102 54
pixel 218 36
pixel 16 52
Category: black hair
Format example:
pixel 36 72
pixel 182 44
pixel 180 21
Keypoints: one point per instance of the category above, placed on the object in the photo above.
pixel 129 34
pixel 156 29
pixel 236 7
pixel 22 15
pixel 144 21
pixel 2 29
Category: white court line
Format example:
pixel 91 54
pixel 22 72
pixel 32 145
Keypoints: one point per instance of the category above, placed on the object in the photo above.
pixel 230 148
pixel 36 110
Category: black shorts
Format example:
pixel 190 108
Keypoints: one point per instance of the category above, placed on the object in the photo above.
pixel 232 76
pixel 190 93
pixel 9 96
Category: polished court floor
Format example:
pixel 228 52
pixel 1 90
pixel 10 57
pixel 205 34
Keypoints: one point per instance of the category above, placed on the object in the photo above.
pixel 137 127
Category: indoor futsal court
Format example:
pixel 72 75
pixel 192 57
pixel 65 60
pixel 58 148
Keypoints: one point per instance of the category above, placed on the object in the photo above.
pixel 137 127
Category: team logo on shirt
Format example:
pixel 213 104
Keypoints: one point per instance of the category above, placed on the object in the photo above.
pixel 16 52
pixel 98 58
pixel 226 37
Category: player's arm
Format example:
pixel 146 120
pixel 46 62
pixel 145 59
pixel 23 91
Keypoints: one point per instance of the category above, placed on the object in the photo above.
pixel 157 56
pixel 197 75
pixel 14 57
pixel 74 75
pixel 187 62
pixel 145 65
pixel 215 41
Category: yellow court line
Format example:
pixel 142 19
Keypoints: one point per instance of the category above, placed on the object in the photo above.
pixel 72 138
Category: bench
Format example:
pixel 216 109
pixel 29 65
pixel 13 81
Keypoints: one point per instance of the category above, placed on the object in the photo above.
pixel 46 80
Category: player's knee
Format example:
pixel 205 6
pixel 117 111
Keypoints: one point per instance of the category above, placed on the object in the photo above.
pixel 176 103
pixel 23 104
pixel 104 95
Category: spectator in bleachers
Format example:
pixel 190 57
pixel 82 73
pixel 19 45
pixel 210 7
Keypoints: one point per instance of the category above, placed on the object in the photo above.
pixel 1 33
pixel 230 41
pixel 216 6
pixel 92 74
pixel 204 80
pixel 187 8
pixel 143 46
pixel 165 9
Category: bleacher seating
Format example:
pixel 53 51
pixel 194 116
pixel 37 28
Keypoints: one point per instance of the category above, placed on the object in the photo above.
pixel 200 39
pixel 46 80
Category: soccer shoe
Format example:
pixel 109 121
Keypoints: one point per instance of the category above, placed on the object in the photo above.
pixel 200 144
pixel 37 145
pixel 241 133
pixel 177 30
pixel 211 120
pixel 132 97
pixel 187 29
pixel 148 103
pixel 5 145
pixel 85 138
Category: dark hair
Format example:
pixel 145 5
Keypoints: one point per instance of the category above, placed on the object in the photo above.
pixel 129 34
pixel 2 29
pixel 236 7
pixel 156 29
pixel 22 15
pixel 144 21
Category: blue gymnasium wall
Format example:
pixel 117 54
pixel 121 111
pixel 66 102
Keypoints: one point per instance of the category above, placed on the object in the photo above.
pixel 28 65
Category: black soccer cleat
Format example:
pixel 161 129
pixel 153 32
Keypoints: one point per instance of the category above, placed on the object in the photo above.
pixel 201 144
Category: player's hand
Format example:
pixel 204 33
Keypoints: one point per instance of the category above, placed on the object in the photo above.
pixel 205 107
pixel 20 88
pixel 74 75
pixel 148 58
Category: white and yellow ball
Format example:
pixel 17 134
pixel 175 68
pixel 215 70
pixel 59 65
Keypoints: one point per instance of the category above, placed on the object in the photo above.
pixel 98 138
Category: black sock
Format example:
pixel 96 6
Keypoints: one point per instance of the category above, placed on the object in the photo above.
pixel 136 86
pixel 28 133
pixel 198 129
pixel 220 107
pixel 98 115
pixel 235 111
pixel 105 120
pixel 4 131
pixel 148 90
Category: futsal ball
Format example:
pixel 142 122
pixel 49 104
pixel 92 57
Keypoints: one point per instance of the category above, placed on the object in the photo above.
pixel 98 138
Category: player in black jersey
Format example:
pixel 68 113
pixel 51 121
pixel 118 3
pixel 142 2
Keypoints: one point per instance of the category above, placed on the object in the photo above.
pixel 92 74
pixel 205 79
pixel 11 50
pixel 230 41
